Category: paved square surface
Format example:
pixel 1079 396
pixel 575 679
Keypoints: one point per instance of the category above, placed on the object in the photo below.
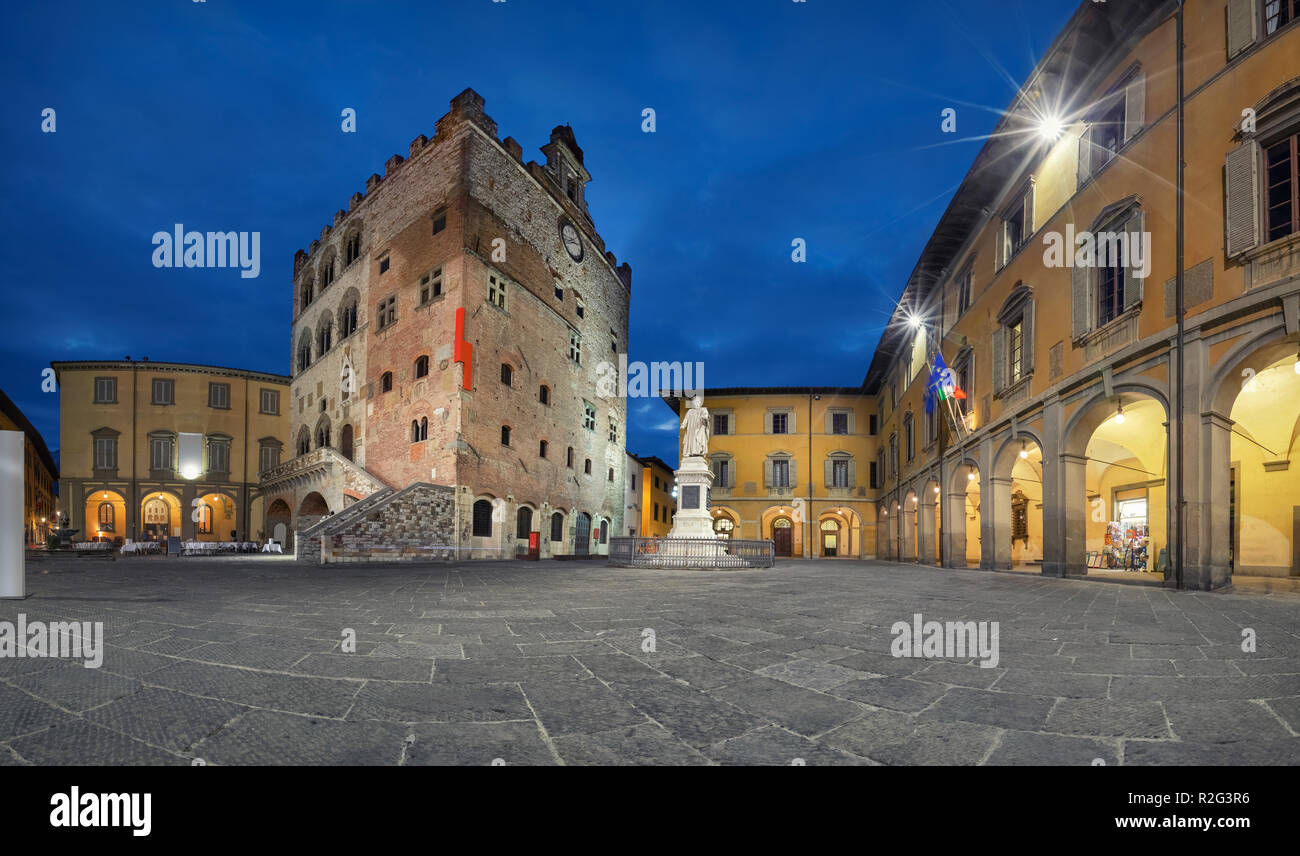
pixel 241 661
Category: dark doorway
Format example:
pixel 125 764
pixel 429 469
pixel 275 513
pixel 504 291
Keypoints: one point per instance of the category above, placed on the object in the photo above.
pixel 582 538
pixel 345 442
pixel 783 536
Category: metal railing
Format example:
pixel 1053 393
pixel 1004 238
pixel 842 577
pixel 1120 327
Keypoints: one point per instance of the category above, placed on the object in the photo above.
pixel 690 553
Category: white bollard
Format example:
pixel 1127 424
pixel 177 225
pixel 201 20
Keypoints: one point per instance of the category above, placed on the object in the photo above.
pixel 13 583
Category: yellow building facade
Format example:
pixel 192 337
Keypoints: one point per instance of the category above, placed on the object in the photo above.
pixel 794 465
pixel 1049 289
pixel 151 450
pixel 40 473
pixel 658 504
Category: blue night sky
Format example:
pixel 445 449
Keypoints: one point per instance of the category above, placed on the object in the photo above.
pixel 776 120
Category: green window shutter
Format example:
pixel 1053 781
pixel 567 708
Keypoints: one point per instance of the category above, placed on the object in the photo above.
pixel 1133 279
pixel 1241 186
pixel 1242 24
pixel 1080 301
pixel 999 359
pixel 1027 339
pixel 1085 158
pixel 1135 103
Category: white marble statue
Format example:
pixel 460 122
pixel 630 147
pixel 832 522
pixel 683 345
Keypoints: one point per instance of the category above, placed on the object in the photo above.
pixel 695 442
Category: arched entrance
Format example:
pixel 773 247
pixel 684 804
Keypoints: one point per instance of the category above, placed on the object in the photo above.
pixel 105 518
pixel 160 516
pixel 961 517
pixel 783 536
pixel 1115 492
pixel 582 535
pixel 1018 505
pixel 1262 523
pixel 724 523
pixel 279 521
pixel 927 524
pixel 909 533
pixel 345 441
pixel 213 515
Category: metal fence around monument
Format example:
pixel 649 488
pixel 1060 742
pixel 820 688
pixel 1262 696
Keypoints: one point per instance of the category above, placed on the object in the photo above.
pixel 690 553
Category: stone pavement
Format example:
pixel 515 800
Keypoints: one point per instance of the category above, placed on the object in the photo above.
pixel 237 660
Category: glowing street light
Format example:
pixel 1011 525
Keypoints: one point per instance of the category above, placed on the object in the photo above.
pixel 1050 128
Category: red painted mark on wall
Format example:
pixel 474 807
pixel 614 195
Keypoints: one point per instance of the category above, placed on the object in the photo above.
pixel 463 351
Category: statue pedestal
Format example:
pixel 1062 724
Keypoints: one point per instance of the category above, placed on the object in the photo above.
pixel 693 519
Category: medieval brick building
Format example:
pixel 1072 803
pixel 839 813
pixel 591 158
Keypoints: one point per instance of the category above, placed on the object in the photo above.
pixel 447 331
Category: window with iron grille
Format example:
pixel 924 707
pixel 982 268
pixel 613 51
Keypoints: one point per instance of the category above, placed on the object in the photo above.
pixel 1282 188
pixel 482 519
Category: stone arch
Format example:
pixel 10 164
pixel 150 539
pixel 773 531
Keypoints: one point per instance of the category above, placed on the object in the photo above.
pixel 324 333
pixel 1084 421
pixel 1245 519
pixel 322 435
pixel 160 515
pixel 349 313
pixel 279 522
pixel 1105 460
pixel 726 522
pixel 927 522
pixel 306 345
pixel 313 504
pixel 962 516
pixel 908 534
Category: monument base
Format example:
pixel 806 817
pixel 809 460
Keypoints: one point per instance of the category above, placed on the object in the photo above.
pixel 693 519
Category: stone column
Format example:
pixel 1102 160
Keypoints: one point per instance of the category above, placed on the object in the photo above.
pixel 995 508
pixel 1054 499
pixel 925 531
pixel 1075 511
pixel 908 517
pixel 1207 509
pixel 954 529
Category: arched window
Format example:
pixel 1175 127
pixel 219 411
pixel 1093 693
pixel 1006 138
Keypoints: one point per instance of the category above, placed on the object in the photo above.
pixel 523 522
pixel 611 473
pixel 557 526
pixel 304 441
pixel 323 436
pixel 348 320
pixel 415 431
pixel 325 338
pixel 505 435
pixel 544 394
pixel 308 293
pixel 205 519
pixel 352 249
pixel 304 352
pixel 422 366
pixel 327 272
pixel 386 382
pixel 482 519
pixel 424 427
pixel 155 512
pixel 507 374
pixel 541 449
pixel 586 466
pixel 107 516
